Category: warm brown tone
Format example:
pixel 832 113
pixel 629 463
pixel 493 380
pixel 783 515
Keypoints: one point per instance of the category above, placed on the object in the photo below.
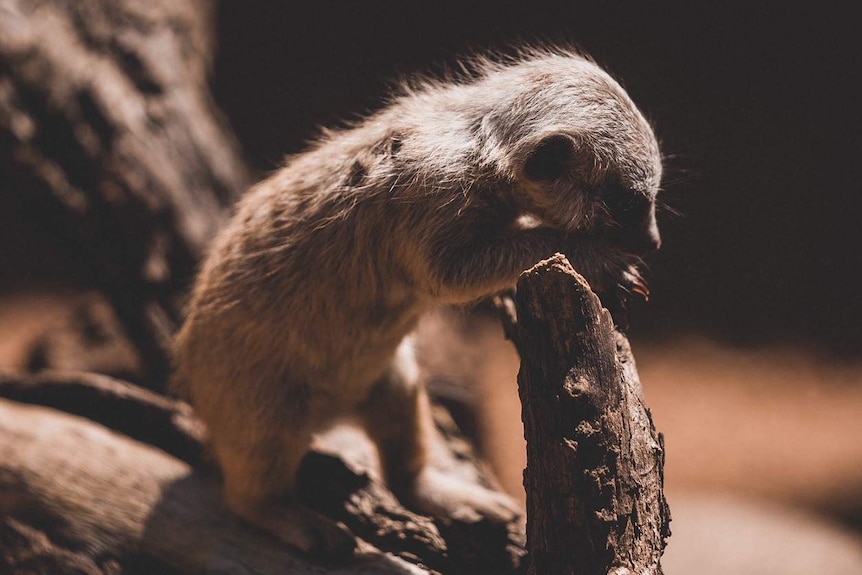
pixel 110 142
pixel 594 477
pixel 301 314
pixel 153 519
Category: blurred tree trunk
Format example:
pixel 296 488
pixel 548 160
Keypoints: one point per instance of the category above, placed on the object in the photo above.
pixel 110 142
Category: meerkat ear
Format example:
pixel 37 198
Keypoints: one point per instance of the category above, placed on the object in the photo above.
pixel 550 158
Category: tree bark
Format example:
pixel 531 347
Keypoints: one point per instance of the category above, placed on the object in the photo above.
pixel 73 492
pixel 112 145
pixel 594 477
pixel 339 479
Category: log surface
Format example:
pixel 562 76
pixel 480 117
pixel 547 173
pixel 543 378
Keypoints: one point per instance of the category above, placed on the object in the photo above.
pixel 75 494
pixel 340 478
pixel 594 477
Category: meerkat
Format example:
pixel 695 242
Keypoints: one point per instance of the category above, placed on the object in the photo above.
pixel 302 311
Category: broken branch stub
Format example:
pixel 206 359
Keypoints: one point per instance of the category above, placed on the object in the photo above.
pixel 594 477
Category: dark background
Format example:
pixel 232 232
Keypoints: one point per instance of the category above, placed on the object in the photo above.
pixel 757 109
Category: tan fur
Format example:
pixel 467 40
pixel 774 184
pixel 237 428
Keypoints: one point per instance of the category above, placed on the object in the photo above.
pixel 301 312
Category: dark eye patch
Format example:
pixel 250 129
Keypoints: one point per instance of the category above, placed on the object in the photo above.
pixel 626 207
pixel 549 160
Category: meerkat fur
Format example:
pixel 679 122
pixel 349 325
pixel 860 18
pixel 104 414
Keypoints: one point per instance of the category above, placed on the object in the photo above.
pixel 302 311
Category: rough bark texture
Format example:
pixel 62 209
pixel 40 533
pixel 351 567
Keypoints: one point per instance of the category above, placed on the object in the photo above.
pixel 594 477
pixel 111 143
pixel 167 435
pixel 75 492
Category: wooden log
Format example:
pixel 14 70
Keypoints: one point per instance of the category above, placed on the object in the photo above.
pixel 594 477
pixel 111 144
pixel 111 504
pixel 138 413
pixel 339 479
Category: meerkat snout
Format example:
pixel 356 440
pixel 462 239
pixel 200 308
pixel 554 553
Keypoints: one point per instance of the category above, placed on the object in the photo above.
pixel 630 220
pixel 559 169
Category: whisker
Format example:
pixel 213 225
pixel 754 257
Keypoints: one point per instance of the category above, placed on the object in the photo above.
pixel 663 206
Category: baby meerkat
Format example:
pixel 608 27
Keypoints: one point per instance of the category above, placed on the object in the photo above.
pixel 301 313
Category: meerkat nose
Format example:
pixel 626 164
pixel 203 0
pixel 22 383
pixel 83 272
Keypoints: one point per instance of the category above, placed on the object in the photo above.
pixel 654 243
pixel 639 239
pixel 653 236
pixel 640 243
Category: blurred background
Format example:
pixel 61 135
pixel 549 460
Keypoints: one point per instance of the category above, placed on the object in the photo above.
pixel 750 350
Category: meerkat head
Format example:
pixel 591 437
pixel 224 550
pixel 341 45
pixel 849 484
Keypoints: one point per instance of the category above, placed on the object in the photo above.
pixel 596 192
pixel 581 156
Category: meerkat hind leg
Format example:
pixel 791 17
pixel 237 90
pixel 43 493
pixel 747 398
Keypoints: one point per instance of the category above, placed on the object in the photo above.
pixel 397 417
pixel 259 485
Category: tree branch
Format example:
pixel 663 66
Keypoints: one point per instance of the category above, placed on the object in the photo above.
pixel 594 478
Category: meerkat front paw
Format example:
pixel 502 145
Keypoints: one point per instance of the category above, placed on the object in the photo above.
pixel 437 494
pixel 626 284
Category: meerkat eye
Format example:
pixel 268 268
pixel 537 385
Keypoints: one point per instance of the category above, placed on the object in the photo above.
pixel 550 159
pixel 626 207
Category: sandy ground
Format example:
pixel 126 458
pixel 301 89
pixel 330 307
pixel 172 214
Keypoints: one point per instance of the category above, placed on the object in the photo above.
pixel 733 535
pixel 774 423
